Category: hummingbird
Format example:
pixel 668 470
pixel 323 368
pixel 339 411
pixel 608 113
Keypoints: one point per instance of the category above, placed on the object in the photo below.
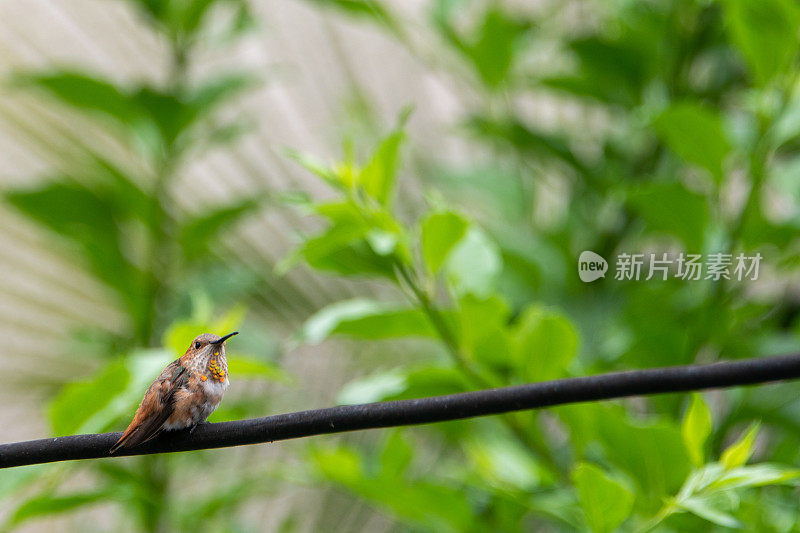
pixel 186 392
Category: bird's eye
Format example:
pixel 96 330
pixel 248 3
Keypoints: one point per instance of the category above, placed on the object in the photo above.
pixel 197 346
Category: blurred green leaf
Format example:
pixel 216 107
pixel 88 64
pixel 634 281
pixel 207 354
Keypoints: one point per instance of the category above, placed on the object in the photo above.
pixel 652 453
pixel 440 233
pixel 249 367
pixel 473 264
pixel 605 501
pixel 403 384
pixel 87 93
pixel 766 33
pixel 498 41
pixel 122 192
pixel 670 208
pixel 19 477
pixel 696 428
pixel 372 9
pixel 420 502
pixel 315 166
pixel 198 234
pixel 710 491
pixel 526 139
pixel 610 70
pixel 482 323
pixel 396 455
pixel 209 95
pixel 378 177
pixel 387 324
pixel 696 134
pixel 755 476
pixel 92 224
pixel 68 209
pixel 165 110
pixel 355 259
pixel 339 463
pixel 365 319
pixel 78 402
pixel 373 388
pixel 503 461
pixel 739 452
pixel 714 508
pixel 343 247
pixel 544 344
pixel 493 45
pixel 184 19
pixel 46 505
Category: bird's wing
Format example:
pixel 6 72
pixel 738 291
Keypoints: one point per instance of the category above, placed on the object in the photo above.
pixel 156 407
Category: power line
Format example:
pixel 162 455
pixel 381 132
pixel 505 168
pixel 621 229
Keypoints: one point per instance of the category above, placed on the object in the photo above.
pixel 411 412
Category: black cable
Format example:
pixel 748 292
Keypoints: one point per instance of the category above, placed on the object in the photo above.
pixel 410 412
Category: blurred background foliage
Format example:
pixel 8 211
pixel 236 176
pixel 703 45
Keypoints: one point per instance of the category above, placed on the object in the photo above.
pixel 682 133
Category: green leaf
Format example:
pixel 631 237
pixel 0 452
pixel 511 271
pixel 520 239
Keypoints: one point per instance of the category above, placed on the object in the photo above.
pixel 355 259
pixel 605 501
pixel 544 344
pixel 696 134
pixel 184 19
pixel 378 177
pixel 388 324
pixel 739 452
pixel 403 384
pixel 77 213
pixel 199 233
pixel 766 33
pixel 440 234
pixel 523 138
pixel 14 479
pixel 344 246
pixel 758 475
pixel 710 491
pixel 495 49
pixel 436 507
pixel 395 457
pixel 668 207
pixel 696 428
pixel 87 93
pixel 209 95
pixel 46 505
pixel 372 9
pixel 473 264
pixel 122 192
pixel 169 114
pixel 78 402
pixel 503 461
pixel 315 166
pixel 712 508
pixel 373 388
pixel 481 323
pixel 612 71
pixel 340 464
pixel 652 453
pixel 69 209
pixel 366 319
pixel 250 367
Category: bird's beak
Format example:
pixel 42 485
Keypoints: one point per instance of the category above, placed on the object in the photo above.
pixel 226 337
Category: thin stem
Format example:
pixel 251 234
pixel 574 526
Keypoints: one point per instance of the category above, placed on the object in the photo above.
pixel 520 431
pixel 442 328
